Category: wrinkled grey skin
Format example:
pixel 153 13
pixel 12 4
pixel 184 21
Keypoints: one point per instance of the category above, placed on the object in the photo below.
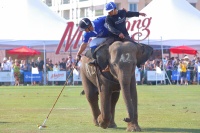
pixel 122 58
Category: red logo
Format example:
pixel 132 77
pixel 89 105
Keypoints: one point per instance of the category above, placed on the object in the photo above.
pixel 56 76
pixel 142 25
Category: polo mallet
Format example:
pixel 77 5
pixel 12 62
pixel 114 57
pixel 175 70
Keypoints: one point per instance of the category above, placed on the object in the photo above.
pixel 43 125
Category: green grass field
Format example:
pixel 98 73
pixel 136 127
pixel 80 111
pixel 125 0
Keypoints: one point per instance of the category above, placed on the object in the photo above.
pixel 161 109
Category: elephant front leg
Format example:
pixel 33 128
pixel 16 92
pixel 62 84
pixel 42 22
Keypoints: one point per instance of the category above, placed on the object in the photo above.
pixel 105 99
pixel 114 99
pixel 133 125
pixel 91 93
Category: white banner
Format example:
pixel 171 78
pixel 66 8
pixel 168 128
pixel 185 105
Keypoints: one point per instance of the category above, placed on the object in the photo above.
pixel 56 75
pixel 137 75
pixel 7 77
pixel 151 76
pixel 76 75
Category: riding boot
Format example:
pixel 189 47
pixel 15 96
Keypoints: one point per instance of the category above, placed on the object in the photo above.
pixel 107 69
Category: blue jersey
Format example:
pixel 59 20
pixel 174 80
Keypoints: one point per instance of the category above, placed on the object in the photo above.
pixel 100 29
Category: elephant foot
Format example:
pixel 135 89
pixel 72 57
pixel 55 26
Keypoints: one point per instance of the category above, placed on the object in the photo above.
pixel 133 128
pixel 112 125
pixel 96 122
pixel 104 123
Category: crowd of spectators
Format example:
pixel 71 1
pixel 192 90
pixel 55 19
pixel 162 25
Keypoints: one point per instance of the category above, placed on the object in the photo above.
pixel 169 65
pixel 18 67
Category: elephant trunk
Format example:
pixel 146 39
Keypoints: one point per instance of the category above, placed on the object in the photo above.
pixel 125 81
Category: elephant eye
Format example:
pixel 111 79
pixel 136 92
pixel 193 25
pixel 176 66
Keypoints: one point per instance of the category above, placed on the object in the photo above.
pixel 114 64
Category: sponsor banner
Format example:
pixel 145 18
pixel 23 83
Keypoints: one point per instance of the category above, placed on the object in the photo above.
pixel 7 77
pixel 176 75
pixel 137 75
pixel 56 75
pixel 28 76
pixel 76 75
pixel 151 76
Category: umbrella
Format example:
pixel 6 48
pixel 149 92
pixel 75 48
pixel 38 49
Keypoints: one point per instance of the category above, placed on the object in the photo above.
pixel 23 51
pixel 183 50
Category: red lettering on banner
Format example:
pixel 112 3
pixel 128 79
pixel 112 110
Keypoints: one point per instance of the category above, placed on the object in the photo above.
pixel 56 76
pixel 69 41
pixel 139 24
pixel 135 35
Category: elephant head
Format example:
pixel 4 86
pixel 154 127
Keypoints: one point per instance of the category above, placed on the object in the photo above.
pixel 124 54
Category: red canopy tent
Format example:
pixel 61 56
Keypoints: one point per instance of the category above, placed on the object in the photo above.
pixel 183 50
pixel 23 51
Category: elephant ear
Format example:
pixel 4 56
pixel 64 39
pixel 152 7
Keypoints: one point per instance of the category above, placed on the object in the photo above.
pixel 143 54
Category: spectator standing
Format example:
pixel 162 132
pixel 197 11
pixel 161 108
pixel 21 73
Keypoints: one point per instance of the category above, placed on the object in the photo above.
pixel 147 67
pixel 47 65
pixel 194 59
pixel 169 69
pixel 32 63
pixel 22 68
pixel 69 69
pixel 50 68
pixel 9 61
pixel 59 64
pixel 25 70
pixel 39 64
pixel 153 65
pixel 50 65
pixel 184 65
pixel 5 65
pixel 28 66
pixel 197 64
pixel 69 63
pixel 56 68
pixel 165 61
pixel 47 69
pixel 190 68
pixel 16 67
pixel 160 65
pixel 63 65
pixel 62 68
pixel 176 68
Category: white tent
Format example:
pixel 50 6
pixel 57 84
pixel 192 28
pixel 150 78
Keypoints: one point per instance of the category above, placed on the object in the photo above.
pixel 176 22
pixel 29 23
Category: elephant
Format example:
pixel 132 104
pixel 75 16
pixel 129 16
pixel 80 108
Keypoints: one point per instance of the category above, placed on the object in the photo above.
pixel 122 58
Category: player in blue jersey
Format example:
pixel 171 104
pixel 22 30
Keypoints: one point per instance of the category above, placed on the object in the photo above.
pixel 94 28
